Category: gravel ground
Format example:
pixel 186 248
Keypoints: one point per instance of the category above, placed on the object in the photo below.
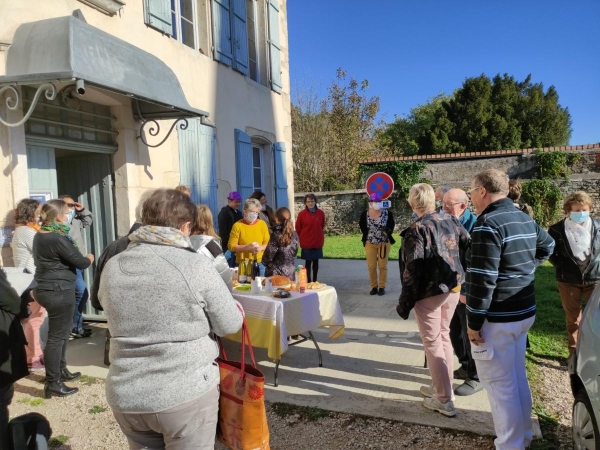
pixel 84 421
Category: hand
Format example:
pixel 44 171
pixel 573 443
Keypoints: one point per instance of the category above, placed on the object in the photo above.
pixel 463 299
pixel 475 337
pixel 90 257
pixel 78 206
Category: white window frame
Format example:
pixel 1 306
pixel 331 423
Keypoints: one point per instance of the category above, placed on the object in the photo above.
pixel 262 167
pixel 179 18
pixel 255 36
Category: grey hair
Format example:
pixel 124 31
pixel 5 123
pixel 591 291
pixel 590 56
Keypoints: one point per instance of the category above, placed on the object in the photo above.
pixel 252 202
pixel 493 180
pixel 444 189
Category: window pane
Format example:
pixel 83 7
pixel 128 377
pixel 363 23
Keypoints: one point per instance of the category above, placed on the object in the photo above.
pixel 187 9
pixel 253 71
pixel 187 33
pixel 257 179
pixel 256 157
pixel 173 20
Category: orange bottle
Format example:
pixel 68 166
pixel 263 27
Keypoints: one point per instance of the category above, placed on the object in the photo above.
pixel 302 281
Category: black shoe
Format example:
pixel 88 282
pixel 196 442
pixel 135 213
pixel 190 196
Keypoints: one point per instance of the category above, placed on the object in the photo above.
pixel 373 291
pixel 65 375
pixel 59 389
pixel 381 291
pixel 81 334
pixel 460 374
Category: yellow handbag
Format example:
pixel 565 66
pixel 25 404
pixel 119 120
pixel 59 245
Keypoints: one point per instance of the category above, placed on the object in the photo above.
pixel 242 415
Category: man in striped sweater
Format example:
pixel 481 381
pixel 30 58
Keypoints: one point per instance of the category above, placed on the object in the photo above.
pixel 506 247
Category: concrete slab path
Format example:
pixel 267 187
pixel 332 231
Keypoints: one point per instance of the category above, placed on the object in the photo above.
pixel 374 369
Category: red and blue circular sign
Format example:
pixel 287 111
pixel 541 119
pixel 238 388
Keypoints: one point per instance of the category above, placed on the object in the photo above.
pixel 380 183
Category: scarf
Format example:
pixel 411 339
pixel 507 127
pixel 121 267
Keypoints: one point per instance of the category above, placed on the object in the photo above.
pixel 161 235
pixel 61 229
pixel 313 209
pixel 579 237
pixel 34 226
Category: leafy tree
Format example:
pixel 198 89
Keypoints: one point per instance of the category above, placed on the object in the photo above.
pixel 483 114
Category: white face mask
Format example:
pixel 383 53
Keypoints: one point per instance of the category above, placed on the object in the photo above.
pixel 251 217
pixel 70 216
pixel 376 206
pixel 263 208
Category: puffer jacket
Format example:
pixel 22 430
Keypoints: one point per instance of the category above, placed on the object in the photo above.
pixel 567 269
pixel 210 247
pixel 430 262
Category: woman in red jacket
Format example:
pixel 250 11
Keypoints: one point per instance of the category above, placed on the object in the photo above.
pixel 310 224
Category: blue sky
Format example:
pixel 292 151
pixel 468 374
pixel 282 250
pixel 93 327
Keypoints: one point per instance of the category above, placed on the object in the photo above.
pixel 410 50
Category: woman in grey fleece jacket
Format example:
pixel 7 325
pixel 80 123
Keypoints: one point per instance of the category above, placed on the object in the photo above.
pixel 162 299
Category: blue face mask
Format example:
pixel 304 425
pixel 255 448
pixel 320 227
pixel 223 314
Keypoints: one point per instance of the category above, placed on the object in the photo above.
pixel 579 216
pixel 70 216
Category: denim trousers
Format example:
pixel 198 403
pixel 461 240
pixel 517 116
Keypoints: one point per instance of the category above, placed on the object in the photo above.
pixel 230 257
pixel 6 395
pixel 81 297
pixel 60 304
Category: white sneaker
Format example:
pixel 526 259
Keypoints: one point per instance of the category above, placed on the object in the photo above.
pixel 429 392
pixel 446 409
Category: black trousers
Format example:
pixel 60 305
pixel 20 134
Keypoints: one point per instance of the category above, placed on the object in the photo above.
pixel 6 396
pixel 60 304
pixel 460 341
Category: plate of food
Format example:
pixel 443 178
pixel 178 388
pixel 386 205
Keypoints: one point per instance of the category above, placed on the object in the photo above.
pixel 280 282
pixel 243 287
pixel 315 285
pixel 281 293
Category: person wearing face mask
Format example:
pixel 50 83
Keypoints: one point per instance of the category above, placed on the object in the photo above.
pixel 163 382
pixel 79 218
pixel 576 258
pixel 439 198
pixel 249 237
pixel 266 213
pixel 377 226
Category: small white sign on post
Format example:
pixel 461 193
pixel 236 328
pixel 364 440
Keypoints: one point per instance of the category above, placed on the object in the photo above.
pixel 386 204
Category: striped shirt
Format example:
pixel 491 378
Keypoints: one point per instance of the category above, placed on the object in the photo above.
pixel 506 248
pixel 22 247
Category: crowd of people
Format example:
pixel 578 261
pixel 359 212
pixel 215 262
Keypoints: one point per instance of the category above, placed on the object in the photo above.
pixel 468 275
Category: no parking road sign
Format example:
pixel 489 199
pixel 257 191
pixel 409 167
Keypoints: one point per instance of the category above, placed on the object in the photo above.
pixel 380 183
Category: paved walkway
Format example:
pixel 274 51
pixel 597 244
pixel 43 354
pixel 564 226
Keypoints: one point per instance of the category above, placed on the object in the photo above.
pixel 375 368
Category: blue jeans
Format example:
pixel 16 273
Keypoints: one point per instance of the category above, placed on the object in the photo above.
pixel 261 269
pixel 81 297
pixel 230 257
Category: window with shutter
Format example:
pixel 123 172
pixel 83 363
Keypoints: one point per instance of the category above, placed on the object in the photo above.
pixel 158 15
pixel 244 164
pixel 251 20
pixel 197 163
pixel 275 46
pixel 239 33
pixel 281 186
pixel 222 32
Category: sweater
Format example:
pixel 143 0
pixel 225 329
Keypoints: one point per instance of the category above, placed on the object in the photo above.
pixel 567 267
pixel 309 227
pixel 243 234
pixel 161 303
pixel 22 247
pixel 506 248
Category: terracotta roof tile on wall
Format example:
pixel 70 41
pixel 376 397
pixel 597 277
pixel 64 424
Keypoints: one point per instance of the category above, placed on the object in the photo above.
pixel 484 154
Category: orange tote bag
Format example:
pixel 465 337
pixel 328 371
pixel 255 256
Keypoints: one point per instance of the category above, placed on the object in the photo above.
pixel 242 415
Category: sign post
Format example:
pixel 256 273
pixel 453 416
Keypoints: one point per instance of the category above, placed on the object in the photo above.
pixel 382 184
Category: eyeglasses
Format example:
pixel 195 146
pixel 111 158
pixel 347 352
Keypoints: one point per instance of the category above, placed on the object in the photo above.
pixel 452 204
pixel 471 191
pixel 71 205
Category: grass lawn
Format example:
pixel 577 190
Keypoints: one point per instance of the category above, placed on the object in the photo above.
pixel 350 247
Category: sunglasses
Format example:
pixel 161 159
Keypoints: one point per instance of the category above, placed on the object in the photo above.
pixel 71 205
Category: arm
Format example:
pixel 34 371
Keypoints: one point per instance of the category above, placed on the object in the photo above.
pixel 85 216
pixel 71 254
pixel 224 224
pixel 411 269
pixel 220 262
pixel 324 221
pixel 482 273
pixel 390 225
pixel 266 237
pixel 299 222
pixel 544 247
pixel 554 257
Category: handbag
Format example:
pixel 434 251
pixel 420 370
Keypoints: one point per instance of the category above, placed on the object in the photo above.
pixel 30 431
pixel 242 414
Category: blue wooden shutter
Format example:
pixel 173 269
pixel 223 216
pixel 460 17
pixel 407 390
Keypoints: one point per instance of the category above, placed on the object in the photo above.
pixel 158 15
pixel 281 186
pixel 197 164
pixel 239 31
pixel 275 46
pixel 244 166
pixel 222 31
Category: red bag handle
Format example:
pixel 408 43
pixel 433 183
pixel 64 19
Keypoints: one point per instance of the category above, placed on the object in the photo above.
pixel 245 336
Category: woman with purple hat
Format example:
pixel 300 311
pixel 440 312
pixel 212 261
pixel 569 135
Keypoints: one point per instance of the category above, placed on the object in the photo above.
pixel 377 226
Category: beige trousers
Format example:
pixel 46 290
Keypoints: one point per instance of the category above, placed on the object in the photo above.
pixel 377 257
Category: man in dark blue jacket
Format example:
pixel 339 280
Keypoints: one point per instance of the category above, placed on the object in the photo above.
pixel 455 203
pixel 506 248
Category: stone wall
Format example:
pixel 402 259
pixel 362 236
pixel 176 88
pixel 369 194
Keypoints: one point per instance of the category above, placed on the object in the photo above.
pixel 342 209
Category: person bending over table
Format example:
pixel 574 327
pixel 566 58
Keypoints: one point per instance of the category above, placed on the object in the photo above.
pixel 250 236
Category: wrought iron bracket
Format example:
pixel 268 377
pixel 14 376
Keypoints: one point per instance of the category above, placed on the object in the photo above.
pixel 13 100
pixel 154 130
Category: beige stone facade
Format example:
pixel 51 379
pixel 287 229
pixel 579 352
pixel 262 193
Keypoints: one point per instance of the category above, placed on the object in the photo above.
pixel 233 101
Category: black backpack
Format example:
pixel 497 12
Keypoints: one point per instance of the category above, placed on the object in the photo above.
pixel 30 431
